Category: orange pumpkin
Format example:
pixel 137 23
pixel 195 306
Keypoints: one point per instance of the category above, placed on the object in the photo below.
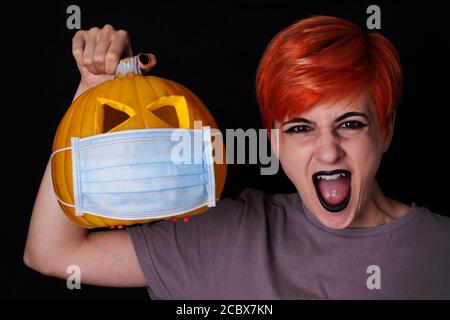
pixel 126 103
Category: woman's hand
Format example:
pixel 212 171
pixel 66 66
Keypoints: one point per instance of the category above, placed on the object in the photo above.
pixel 98 52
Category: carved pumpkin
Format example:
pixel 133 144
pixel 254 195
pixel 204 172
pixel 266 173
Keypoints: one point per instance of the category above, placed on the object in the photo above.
pixel 126 103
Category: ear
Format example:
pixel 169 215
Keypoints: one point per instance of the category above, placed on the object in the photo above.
pixel 390 131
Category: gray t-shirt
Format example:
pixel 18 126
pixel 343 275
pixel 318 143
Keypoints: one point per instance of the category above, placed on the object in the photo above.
pixel 271 247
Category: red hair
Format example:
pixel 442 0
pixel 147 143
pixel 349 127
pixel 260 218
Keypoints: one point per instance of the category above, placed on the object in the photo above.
pixel 322 58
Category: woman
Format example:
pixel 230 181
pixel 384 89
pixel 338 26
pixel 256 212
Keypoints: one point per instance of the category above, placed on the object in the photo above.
pixel 331 90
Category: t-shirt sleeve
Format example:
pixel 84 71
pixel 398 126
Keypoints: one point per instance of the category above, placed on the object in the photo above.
pixel 184 260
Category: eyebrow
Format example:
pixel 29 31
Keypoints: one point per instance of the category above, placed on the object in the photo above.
pixel 298 120
pixel 351 114
pixel 340 118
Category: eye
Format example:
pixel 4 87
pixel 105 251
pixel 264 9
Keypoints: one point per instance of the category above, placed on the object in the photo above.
pixel 299 129
pixel 111 114
pixel 352 125
pixel 173 110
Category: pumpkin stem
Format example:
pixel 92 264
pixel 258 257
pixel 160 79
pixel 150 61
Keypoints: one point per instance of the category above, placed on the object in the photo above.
pixel 136 65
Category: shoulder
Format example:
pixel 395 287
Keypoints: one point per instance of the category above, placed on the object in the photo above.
pixel 252 203
pixel 251 207
pixel 433 223
pixel 256 204
pixel 434 218
pixel 259 199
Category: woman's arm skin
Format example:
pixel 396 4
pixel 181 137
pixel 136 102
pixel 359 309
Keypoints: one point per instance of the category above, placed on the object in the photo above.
pixel 54 242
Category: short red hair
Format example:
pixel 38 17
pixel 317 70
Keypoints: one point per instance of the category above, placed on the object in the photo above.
pixel 326 58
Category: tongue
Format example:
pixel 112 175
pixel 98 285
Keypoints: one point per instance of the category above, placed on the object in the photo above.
pixel 334 191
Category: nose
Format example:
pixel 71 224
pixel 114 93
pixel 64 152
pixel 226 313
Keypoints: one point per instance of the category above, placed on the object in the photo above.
pixel 328 149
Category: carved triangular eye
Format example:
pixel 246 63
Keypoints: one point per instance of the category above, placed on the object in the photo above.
pixel 111 114
pixel 172 110
pixel 168 114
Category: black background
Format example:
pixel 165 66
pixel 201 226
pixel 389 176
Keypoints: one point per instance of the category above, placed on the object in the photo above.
pixel 213 49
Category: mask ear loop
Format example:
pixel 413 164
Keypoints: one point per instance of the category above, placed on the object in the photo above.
pixel 208 158
pixel 51 158
pixel 218 145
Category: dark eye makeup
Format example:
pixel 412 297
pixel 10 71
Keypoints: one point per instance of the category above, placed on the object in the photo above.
pixel 299 129
pixel 350 124
pixel 353 124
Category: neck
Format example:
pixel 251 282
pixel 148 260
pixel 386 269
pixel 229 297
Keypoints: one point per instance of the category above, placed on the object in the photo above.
pixel 378 210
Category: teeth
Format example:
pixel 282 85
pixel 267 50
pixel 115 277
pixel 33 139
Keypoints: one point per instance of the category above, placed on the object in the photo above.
pixel 331 177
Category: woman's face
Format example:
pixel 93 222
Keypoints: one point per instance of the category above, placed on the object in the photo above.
pixel 331 153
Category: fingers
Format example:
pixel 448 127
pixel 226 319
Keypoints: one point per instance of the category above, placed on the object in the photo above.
pixel 89 49
pixel 101 48
pixel 78 44
pixel 98 51
pixel 146 62
pixel 120 43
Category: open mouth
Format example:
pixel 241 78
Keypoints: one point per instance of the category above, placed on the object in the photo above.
pixel 333 188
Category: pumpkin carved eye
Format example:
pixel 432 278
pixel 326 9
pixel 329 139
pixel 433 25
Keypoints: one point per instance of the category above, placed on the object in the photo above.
pixel 168 114
pixel 111 114
pixel 172 109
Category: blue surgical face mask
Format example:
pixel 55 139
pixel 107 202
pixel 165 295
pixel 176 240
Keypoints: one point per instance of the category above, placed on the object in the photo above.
pixel 142 174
